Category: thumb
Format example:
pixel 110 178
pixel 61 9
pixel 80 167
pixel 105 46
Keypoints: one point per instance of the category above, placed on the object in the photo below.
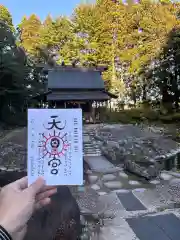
pixel 36 187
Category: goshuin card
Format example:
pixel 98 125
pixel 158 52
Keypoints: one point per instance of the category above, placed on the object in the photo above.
pixel 55 146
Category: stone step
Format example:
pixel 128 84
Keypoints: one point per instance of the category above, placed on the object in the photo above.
pixel 130 202
pixel 162 226
pixel 117 229
pixel 91 151
pixel 153 199
pixel 91 144
pixel 123 204
pixel 91 148
pixel 92 154
pixel 100 164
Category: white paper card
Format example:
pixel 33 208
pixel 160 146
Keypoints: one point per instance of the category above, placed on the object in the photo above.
pixel 55 146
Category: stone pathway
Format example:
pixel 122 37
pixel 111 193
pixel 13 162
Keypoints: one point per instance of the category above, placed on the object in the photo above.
pixel 104 177
pixel 126 198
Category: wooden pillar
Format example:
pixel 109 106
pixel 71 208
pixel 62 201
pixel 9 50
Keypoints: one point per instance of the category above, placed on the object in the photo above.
pixel 98 112
pixel 93 114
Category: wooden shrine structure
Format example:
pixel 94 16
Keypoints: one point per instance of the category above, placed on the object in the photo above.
pixel 75 87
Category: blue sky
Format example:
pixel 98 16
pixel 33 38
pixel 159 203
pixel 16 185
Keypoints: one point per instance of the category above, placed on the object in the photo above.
pixel 19 8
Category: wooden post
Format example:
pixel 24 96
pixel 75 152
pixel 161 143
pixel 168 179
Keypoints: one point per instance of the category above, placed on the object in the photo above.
pixel 98 112
pixel 95 110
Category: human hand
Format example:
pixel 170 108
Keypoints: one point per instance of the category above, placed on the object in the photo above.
pixel 18 202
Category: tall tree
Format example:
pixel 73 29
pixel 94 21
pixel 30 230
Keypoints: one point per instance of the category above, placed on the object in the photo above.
pixel 113 30
pixel 85 20
pixel 30 33
pixel 6 17
pixel 93 26
pixel 12 71
pixel 55 34
pixel 147 28
pixel 162 70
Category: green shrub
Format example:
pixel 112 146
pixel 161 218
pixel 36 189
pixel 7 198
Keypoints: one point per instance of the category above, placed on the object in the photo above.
pixel 170 118
pixel 116 117
pixel 176 116
pixel 145 105
pixel 151 115
pixel 137 115
pixel 134 113
pixel 166 118
pixel 141 115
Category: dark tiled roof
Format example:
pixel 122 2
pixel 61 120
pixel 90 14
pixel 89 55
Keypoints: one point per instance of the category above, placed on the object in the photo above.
pixel 75 79
pixel 47 67
pixel 78 95
pixel 40 95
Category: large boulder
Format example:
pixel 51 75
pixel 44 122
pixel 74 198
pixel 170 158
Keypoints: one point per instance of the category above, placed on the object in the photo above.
pixel 142 152
pixel 112 150
pixel 148 172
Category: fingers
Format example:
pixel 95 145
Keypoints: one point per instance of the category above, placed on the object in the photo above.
pixel 46 188
pixel 42 203
pixel 46 194
pixel 21 184
pixel 36 187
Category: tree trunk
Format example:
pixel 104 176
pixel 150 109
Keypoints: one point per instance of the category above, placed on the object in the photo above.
pixel 133 95
pixel 144 93
pixel 176 90
pixel 167 102
pixel 176 100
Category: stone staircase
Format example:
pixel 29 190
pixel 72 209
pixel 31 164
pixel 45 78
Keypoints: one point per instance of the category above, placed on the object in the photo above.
pixel 90 146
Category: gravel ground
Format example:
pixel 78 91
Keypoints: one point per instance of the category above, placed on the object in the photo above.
pixel 4 130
